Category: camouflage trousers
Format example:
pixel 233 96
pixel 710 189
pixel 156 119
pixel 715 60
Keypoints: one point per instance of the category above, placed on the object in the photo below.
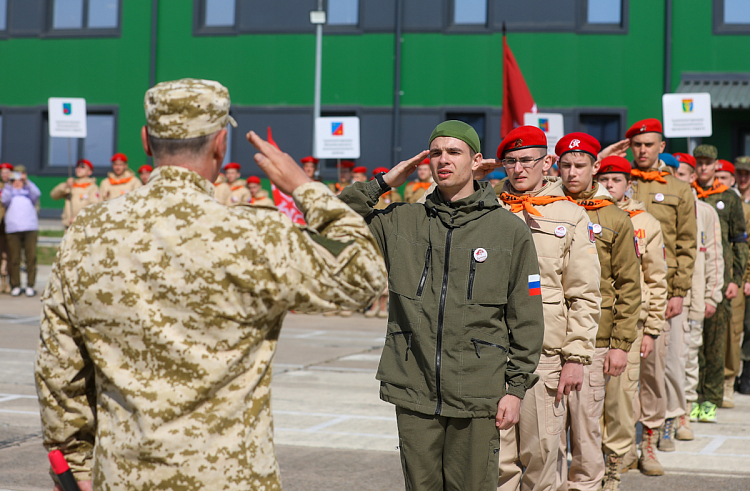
pixel 712 354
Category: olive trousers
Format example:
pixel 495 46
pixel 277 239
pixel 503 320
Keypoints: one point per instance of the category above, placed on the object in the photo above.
pixel 441 454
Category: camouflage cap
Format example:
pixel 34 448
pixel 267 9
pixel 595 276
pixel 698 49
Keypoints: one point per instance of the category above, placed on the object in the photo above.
pixel 706 150
pixel 187 108
pixel 742 163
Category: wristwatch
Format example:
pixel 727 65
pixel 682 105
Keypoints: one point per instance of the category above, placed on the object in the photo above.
pixel 383 186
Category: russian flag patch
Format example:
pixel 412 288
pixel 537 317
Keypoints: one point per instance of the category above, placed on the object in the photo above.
pixel 535 285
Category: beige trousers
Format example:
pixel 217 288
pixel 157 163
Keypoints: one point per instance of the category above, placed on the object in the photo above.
pixel 734 337
pixel 693 344
pixel 652 406
pixel 618 419
pixel 674 370
pixel 530 451
pixel 582 419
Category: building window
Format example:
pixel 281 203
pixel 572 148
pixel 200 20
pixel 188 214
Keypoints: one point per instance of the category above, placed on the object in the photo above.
pixel 3 15
pixel 470 12
pixel 731 16
pixel 603 127
pixel 98 146
pixel 219 13
pixel 604 12
pixel 475 120
pixel 342 13
pixel 85 14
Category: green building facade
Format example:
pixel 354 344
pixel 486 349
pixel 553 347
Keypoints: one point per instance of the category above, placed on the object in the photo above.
pixel 603 64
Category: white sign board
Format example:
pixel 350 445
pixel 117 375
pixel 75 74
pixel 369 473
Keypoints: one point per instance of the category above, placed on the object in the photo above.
pixel 67 117
pixel 550 123
pixel 337 138
pixel 687 115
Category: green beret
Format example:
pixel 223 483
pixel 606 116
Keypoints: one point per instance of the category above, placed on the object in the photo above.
pixel 742 163
pixel 706 151
pixel 460 130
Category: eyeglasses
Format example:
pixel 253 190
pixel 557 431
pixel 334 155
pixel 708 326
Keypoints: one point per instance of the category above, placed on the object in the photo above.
pixel 526 162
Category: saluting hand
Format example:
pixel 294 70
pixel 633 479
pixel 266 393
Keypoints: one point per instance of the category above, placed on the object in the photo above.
pixel 279 166
pixel 485 167
pixel 620 149
pixel 401 171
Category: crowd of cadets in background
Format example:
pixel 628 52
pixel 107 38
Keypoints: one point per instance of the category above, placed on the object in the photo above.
pixel 687 217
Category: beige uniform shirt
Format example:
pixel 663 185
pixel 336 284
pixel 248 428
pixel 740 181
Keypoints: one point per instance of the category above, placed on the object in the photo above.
pixel 570 272
pixel 113 186
pixel 709 263
pixel 261 198
pixel 84 192
pixel 415 190
pixel 387 198
pixel 160 323
pixel 222 192
pixel 650 246
pixel 238 193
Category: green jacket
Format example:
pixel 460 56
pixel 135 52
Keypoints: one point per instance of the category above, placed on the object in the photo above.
pixel 728 206
pixel 461 333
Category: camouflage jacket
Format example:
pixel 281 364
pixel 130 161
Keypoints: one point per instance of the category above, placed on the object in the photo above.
pixel 160 322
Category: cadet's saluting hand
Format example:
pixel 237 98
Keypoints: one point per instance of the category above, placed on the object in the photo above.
pixel 280 168
pixel 485 167
pixel 400 172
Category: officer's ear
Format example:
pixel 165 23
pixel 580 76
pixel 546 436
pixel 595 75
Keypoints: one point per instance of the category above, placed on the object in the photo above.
pixel 144 140
pixel 219 146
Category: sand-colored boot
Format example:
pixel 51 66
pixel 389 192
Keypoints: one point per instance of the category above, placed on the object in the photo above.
pixel 648 463
pixel 728 401
pixel 684 432
pixel 611 481
pixel 630 460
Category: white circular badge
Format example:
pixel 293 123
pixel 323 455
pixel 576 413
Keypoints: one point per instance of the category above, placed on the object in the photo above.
pixel 597 228
pixel 561 231
pixel 720 205
pixel 480 255
pixel 659 197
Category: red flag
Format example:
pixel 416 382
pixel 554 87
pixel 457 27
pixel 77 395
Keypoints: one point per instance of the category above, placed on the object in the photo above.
pixel 517 98
pixel 284 202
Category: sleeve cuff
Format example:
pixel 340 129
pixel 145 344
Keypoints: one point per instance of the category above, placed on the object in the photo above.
pixel 651 331
pixel 620 344
pixel 678 292
pixel 711 302
pixel 582 359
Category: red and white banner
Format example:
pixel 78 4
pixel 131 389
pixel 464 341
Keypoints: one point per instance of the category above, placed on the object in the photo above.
pixel 285 204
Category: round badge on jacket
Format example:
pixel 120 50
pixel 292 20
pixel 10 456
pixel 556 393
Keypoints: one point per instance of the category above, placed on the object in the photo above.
pixel 597 228
pixel 560 231
pixel 480 255
pixel 720 205
pixel 659 197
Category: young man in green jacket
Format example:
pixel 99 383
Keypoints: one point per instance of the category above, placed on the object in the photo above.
pixel 465 325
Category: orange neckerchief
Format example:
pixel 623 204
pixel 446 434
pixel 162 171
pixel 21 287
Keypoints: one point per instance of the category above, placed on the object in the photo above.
pixel 115 182
pixel 653 175
pixel 235 188
pixel 83 185
pixel 420 185
pixel 594 204
pixel 635 212
pixel 526 202
pixel 714 189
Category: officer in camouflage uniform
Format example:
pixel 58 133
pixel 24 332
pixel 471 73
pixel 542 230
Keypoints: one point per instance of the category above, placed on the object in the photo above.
pixel 163 309
pixel 728 206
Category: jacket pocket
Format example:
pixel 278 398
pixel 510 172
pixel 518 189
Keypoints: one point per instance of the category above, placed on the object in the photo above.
pixel 408 267
pixel 483 361
pixel 472 274
pixel 398 365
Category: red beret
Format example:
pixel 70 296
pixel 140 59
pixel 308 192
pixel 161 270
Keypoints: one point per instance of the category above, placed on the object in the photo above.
pixel 145 168
pixel 725 166
pixel 424 162
pixel 85 162
pixel 232 165
pixel 522 137
pixel 253 179
pixel 6 165
pixel 378 170
pixel 360 170
pixel 685 158
pixel 578 142
pixel 649 125
pixel 615 163
pixel 346 164
pixel 119 156
pixel 310 158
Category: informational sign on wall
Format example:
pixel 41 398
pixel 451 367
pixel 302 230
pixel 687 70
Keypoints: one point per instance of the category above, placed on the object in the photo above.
pixel 337 138
pixel 550 123
pixel 67 117
pixel 687 115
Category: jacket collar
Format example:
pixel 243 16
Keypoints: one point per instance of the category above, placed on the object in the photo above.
pixel 170 175
pixel 460 212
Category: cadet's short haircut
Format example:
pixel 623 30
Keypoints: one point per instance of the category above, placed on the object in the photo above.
pixel 167 147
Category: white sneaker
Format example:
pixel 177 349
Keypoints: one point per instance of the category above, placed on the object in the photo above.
pixel 30 292
pixel 15 291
